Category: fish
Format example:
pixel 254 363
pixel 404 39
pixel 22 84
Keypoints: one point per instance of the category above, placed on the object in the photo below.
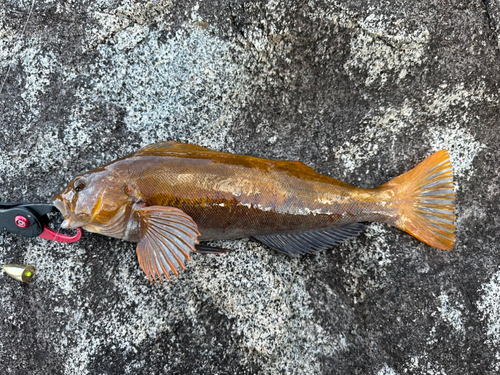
pixel 169 196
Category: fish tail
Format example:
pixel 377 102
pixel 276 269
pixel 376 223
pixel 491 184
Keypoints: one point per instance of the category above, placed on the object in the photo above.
pixel 425 197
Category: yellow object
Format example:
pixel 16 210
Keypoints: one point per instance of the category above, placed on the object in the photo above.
pixel 20 272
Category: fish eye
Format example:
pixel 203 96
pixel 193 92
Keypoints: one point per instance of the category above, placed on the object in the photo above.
pixel 79 184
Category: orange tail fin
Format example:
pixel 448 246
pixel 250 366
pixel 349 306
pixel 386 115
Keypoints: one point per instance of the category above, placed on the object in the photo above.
pixel 426 194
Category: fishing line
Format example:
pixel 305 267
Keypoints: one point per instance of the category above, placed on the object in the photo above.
pixel 20 38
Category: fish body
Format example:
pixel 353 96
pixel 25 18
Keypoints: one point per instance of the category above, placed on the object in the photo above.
pixel 170 195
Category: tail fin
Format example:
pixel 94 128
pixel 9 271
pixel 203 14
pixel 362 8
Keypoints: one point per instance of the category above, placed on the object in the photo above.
pixel 426 194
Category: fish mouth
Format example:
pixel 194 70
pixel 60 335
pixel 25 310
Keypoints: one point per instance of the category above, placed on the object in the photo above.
pixel 59 204
pixel 68 222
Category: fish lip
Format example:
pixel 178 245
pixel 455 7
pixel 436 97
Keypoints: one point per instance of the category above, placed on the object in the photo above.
pixel 63 207
pixel 68 224
pixel 59 204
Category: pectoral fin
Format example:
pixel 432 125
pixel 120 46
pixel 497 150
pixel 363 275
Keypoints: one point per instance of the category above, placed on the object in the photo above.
pixel 167 238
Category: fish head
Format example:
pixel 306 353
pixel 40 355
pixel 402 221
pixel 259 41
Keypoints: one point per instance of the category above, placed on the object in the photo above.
pixel 93 201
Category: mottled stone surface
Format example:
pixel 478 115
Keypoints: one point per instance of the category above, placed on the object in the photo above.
pixel 358 90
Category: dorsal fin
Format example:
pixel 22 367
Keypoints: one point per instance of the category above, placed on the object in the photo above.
pixel 184 150
pixel 308 242
pixel 293 166
pixel 172 146
pixel 179 147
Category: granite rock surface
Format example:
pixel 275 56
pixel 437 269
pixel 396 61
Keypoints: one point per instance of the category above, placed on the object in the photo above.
pixel 359 90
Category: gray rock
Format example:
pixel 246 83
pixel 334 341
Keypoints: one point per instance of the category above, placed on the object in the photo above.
pixel 360 91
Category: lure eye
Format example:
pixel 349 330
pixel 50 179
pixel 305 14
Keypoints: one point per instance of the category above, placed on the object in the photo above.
pixel 79 184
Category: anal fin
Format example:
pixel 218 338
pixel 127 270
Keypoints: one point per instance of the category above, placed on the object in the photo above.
pixel 307 242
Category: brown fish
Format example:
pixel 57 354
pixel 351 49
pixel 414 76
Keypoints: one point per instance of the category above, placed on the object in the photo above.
pixel 170 195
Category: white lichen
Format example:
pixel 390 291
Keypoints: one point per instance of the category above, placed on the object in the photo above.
pixel 451 313
pixel 366 265
pixel 385 125
pixel 266 295
pixel 185 88
pixel 489 305
pixel 462 147
pixel 385 48
pixel 386 370
pixel 381 129
pixel 422 365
